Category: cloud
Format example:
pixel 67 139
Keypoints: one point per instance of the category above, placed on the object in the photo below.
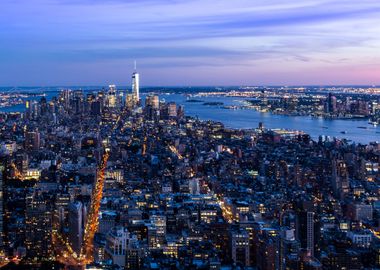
pixel 191 33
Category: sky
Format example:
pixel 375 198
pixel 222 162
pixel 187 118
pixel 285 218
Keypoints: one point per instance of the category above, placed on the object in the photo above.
pixel 189 42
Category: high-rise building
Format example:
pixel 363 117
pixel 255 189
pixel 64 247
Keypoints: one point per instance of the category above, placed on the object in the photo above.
pixel 172 110
pixel 65 98
pixel 10 147
pixel 78 102
pixel 107 221
pixel 152 107
pixel 240 247
pixel 308 228
pixel 76 225
pixel 32 109
pixel 134 256
pixel 153 101
pixel 153 239
pixel 340 182
pixel 62 201
pixel 99 247
pixel 289 247
pixel 159 222
pixel 96 107
pixel 22 163
pixel 310 232
pixel 38 225
pixel 337 258
pixel 360 211
pixel 330 106
pixel 136 86
pixel 112 96
pixel 129 101
pixel 32 140
pixel 267 250
pixel 117 242
pixel 194 186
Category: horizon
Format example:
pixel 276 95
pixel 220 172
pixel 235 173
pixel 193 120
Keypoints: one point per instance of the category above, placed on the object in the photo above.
pixel 195 86
pixel 147 88
pixel 175 43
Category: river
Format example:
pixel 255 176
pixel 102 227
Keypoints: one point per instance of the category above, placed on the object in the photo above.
pixel 248 118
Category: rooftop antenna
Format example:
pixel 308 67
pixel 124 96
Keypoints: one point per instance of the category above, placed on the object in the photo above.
pixel 135 65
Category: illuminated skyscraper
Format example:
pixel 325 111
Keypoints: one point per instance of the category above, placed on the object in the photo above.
pixel 153 101
pixel 136 85
pixel 129 100
pixel 112 97
pixel 340 182
pixel 172 110
pixel 240 247
pixel 38 224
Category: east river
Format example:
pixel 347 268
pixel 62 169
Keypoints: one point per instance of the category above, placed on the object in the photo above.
pixel 358 131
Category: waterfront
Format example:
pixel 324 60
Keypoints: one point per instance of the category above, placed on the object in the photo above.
pixel 248 118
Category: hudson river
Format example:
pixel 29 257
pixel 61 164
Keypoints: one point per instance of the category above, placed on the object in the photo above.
pixel 247 118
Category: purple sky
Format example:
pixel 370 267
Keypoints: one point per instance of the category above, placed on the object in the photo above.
pixel 189 42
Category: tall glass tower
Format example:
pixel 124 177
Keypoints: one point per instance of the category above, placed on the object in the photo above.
pixel 136 85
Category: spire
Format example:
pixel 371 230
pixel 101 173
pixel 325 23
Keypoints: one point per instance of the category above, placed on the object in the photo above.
pixel 135 65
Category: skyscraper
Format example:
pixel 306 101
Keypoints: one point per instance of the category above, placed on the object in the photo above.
pixel 331 106
pixel 112 96
pixel 339 179
pixel 32 140
pixel 136 85
pixel 116 245
pixel 310 232
pixel 76 225
pixel 38 224
pixel 240 247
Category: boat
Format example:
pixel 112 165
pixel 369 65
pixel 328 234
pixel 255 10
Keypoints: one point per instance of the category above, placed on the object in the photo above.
pixel 343 132
pixel 230 107
pixel 374 123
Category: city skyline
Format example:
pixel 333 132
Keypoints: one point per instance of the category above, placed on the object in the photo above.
pixel 179 43
pixel 250 140
pixel 92 180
